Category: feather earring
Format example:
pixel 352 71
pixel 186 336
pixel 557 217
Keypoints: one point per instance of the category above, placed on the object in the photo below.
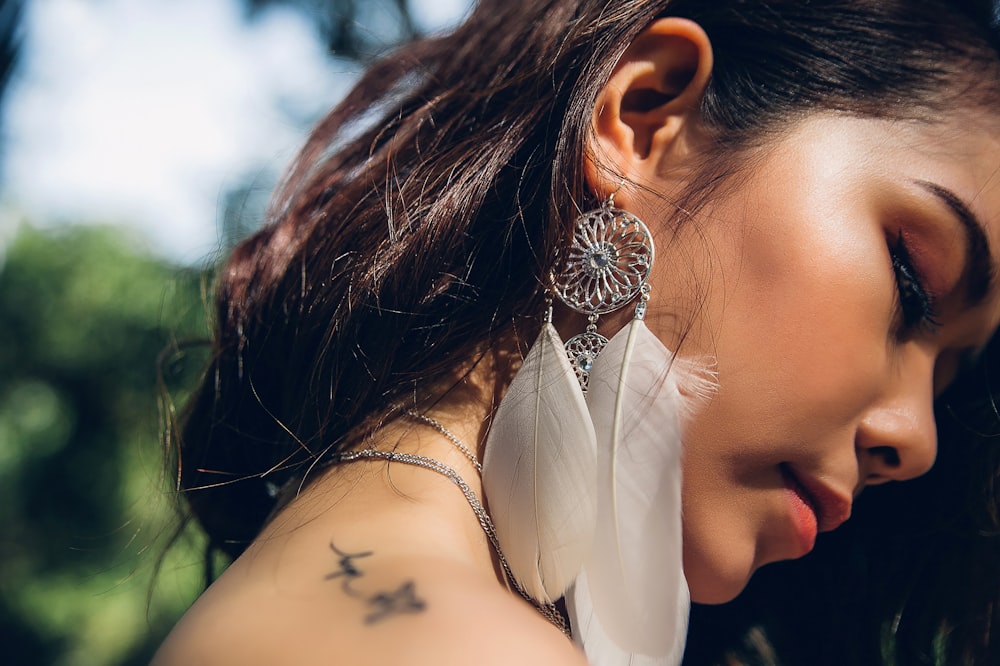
pixel 539 471
pixel 593 638
pixel 540 463
pixel 630 606
pixel 539 467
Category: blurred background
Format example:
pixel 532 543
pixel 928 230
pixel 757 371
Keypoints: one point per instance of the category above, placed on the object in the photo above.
pixel 139 139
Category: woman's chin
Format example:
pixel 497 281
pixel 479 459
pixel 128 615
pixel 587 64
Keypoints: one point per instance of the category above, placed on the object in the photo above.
pixel 716 585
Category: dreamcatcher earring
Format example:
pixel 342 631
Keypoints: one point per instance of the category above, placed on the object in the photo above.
pixel 606 267
pixel 540 462
pixel 629 605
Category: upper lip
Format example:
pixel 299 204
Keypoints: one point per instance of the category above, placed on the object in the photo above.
pixel 833 508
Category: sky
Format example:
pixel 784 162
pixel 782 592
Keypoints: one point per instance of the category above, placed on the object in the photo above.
pixel 146 113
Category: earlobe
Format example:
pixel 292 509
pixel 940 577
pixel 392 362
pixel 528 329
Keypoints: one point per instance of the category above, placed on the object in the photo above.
pixel 653 94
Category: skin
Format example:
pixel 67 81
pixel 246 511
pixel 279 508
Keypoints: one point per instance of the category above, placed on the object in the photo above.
pixel 291 598
pixel 799 309
pixel 785 280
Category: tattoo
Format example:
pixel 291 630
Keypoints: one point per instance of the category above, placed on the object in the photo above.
pixel 348 570
pixel 383 605
pixel 404 600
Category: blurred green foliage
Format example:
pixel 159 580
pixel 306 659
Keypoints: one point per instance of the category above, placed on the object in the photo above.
pixel 86 502
pixel 88 320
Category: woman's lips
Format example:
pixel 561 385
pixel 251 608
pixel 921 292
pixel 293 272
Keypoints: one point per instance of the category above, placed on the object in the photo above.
pixel 830 507
pixel 805 513
pixel 815 506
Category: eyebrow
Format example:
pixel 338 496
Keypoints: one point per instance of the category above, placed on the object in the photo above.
pixel 979 259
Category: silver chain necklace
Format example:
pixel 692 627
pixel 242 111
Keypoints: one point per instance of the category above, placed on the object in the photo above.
pixel 548 611
pixel 459 444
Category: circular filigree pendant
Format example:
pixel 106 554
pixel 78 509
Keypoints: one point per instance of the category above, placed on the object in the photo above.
pixel 582 349
pixel 608 262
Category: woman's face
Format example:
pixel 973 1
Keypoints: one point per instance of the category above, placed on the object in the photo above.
pixel 838 288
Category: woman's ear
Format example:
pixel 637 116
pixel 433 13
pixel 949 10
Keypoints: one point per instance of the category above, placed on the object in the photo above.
pixel 653 95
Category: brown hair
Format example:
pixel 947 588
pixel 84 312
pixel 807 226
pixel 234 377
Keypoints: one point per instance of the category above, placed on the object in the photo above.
pixel 412 231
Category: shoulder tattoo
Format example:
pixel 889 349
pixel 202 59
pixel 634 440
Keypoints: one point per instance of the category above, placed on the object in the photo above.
pixel 382 605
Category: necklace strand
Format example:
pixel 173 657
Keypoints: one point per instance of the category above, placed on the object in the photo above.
pixel 459 444
pixel 548 611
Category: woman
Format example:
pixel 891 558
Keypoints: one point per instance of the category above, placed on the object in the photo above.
pixel 805 198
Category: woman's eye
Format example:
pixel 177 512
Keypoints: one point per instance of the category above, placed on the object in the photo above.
pixel 916 305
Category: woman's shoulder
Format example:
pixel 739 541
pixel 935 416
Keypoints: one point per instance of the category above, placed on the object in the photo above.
pixel 366 569
pixel 364 609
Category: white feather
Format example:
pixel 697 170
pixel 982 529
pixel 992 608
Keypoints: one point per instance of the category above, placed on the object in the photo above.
pixel 634 581
pixel 599 648
pixel 539 471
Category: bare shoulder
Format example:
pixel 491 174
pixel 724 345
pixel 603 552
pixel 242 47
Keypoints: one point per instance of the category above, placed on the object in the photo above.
pixel 367 569
pixel 364 609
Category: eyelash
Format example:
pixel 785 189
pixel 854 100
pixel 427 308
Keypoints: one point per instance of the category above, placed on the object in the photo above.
pixel 916 304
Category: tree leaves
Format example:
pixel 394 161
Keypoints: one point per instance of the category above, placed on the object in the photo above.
pixel 84 500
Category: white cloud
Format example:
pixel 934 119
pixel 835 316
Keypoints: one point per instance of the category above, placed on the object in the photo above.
pixel 436 15
pixel 145 112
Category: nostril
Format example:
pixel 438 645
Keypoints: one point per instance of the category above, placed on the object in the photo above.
pixel 888 455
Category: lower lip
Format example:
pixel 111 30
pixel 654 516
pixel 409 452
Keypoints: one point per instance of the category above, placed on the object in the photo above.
pixel 803 515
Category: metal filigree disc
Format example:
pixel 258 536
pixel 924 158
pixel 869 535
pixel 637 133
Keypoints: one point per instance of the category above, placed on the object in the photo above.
pixel 608 262
pixel 582 349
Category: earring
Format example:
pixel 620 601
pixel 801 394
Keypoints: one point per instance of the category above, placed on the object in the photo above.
pixel 606 267
pixel 540 472
pixel 630 602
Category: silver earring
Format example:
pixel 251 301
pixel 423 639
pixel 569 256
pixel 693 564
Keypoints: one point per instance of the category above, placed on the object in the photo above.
pixel 606 267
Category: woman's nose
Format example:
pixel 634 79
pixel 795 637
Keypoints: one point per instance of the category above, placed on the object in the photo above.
pixel 897 438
